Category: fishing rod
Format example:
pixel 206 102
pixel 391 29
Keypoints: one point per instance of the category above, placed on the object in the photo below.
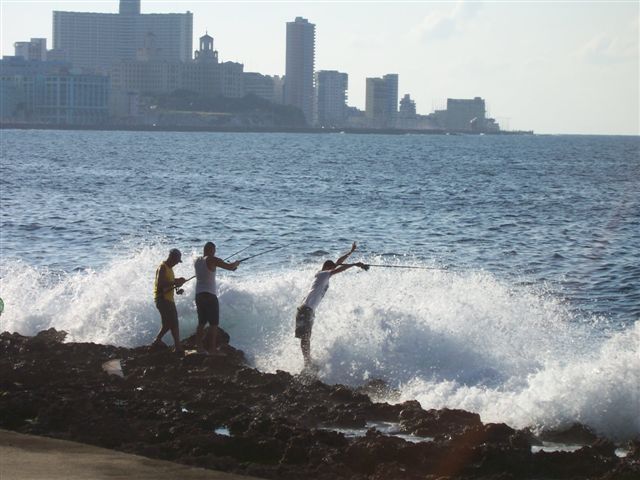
pixel 261 253
pixel 179 290
pixel 234 254
pixel 403 266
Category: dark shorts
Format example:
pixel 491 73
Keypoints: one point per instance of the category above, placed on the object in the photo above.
pixel 304 321
pixel 208 309
pixel 168 313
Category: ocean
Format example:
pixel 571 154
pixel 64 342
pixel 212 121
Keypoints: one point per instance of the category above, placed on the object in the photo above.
pixel 526 308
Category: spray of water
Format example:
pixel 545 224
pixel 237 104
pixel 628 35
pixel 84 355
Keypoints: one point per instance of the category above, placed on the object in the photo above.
pixel 462 340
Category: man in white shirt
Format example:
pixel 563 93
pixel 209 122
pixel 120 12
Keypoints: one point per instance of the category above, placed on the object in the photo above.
pixel 207 294
pixel 306 311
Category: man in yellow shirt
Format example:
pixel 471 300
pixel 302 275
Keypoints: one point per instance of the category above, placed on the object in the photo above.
pixel 163 291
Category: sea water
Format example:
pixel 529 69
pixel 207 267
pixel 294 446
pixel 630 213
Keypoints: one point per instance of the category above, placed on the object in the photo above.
pixel 526 308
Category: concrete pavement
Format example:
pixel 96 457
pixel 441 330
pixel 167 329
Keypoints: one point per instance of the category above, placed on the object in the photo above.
pixel 28 457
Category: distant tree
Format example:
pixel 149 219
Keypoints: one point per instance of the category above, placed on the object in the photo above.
pixel 258 110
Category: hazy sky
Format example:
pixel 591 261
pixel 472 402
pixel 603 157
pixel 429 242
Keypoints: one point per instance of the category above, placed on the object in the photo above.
pixel 554 67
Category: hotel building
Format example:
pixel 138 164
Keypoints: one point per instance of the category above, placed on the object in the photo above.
pixel 98 40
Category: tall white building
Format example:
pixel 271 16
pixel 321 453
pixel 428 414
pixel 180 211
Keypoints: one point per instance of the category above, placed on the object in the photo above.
pixel 298 83
pixel 331 98
pixel 98 40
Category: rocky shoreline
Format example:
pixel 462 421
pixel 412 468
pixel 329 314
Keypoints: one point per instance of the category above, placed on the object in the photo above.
pixel 218 413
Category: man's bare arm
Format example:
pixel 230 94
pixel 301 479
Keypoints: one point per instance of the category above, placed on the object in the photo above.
pixel 347 266
pixel 341 260
pixel 213 262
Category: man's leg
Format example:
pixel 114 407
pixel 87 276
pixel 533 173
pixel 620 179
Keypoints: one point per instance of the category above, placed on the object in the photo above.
pixel 213 347
pixel 175 332
pixel 201 309
pixel 305 346
pixel 214 320
pixel 304 324
pixel 174 326
pixel 199 337
pixel 164 328
pixel 161 333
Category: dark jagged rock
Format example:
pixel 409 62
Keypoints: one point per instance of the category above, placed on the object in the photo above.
pixel 575 433
pixel 436 422
pixel 173 407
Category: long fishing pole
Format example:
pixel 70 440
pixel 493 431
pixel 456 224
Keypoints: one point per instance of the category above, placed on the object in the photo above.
pixel 241 260
pixel 224 260
pixel 403 266
pixel 239 251
pixel 261 253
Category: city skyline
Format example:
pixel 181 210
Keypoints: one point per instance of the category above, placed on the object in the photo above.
pixel 552 68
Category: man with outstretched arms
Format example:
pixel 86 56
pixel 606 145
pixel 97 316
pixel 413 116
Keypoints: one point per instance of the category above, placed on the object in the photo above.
pixel 207 294
pixel 163 288
pixel 306 311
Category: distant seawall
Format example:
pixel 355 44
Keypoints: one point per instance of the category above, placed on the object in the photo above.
pixel 169 128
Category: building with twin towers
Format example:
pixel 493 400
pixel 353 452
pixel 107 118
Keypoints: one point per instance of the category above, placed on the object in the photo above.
pixel 96 41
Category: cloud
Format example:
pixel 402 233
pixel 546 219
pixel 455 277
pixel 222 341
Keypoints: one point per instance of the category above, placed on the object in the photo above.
pixel 441 25
pixel 606 50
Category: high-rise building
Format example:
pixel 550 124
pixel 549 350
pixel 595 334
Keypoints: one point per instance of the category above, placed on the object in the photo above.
pixel 35 49
pixel 382 101
pixel 375 102
pixel 98 40
pixel 331 98
pixel 300 63
pixel 391 81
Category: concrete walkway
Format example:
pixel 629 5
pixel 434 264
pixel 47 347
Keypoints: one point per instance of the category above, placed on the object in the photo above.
pixel 27 457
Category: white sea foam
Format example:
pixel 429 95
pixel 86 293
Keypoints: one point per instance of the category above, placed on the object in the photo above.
pixel 461 340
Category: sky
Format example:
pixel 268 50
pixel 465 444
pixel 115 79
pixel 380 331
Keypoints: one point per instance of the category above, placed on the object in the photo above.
pixel 559 67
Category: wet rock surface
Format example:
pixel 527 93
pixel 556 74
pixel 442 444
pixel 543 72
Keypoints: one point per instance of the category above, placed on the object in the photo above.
pixel 216 412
